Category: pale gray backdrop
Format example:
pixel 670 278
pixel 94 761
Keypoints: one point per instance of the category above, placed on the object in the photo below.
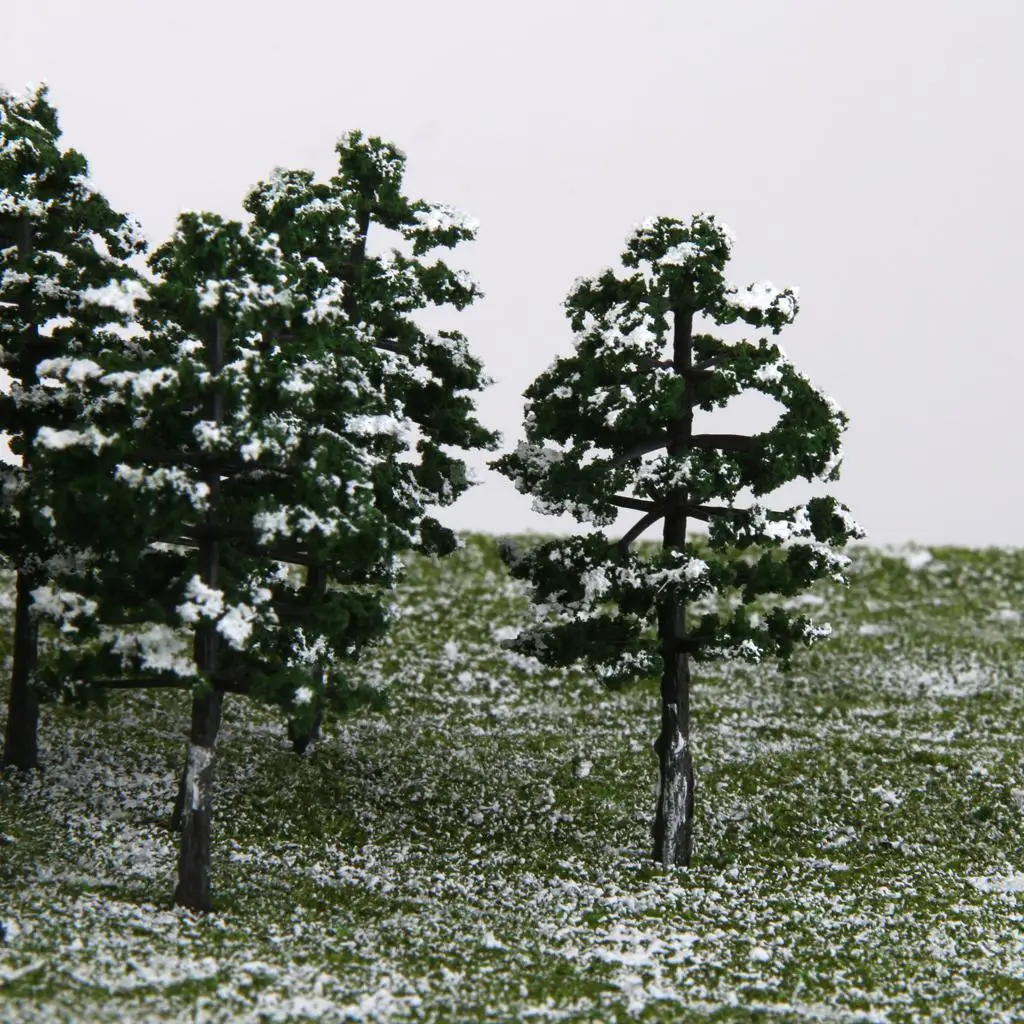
pixel 869 152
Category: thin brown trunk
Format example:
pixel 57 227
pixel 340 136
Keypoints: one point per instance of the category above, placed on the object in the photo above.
pixel 673 822
pixel 195 798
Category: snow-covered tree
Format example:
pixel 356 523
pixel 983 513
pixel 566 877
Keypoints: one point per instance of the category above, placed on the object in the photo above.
pixel 265 426
pixel 322 228
pixel 430 377
pixel 66 291
pixel 611 427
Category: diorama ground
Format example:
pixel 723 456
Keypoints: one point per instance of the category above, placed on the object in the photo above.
pixel 478 850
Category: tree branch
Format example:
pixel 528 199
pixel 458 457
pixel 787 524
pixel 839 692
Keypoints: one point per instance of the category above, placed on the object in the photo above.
pixel 703 512
pixel 639 504
pixel 211 461
pixel 655 513
pixel 278 552
pixel 708 512
pixel 638 528
pixel 724 442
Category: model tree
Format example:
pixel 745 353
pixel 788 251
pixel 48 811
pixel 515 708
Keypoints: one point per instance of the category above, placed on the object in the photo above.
pixel 256 458
pixel 611 427
pixel 66 289
pixel 323 229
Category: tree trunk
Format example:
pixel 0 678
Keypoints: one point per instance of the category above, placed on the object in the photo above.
pixel 21 744
pixel 193 889
pixel 195 809
pixel 21 748
pixel 673 822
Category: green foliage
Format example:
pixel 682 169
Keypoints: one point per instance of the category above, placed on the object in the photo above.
pixel 282 410
pixel 65 288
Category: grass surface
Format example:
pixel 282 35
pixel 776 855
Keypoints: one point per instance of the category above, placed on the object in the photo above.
pixel 478 851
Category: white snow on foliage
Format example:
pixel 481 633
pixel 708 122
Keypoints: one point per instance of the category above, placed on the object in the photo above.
pixel 201 601
pixel 142 382
pixel 367 426
pixel 443 218
pixel 284 521
pixel 74 371
pixel 92 438
pixel 681 254
pixel 24 206
pixel 236 625
pixel 156 647
pixel 209 434
pixel 309 650
pixel 173 478
pixel 763 296
pixel 327 303
pixel 118 295
pixel 62 606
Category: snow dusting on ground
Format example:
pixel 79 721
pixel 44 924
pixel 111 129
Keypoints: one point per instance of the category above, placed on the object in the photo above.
pixel 478 850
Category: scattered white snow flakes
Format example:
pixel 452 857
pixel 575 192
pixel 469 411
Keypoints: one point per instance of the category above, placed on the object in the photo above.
pixel 1005 615
pixel 887 796
pixel 874 629
pixel 917 558
pixel 999 883
pixel 487 863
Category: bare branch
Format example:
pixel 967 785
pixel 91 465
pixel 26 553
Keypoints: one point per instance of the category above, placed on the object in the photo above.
pixel 248 543
pixel 639 504
pixel 642 524
pixel 706 513
pixel 724 442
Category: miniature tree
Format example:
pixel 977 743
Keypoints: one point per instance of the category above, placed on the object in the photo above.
pixel 66 290
pixel 263 427
pixel 322 229
pixel 611 427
